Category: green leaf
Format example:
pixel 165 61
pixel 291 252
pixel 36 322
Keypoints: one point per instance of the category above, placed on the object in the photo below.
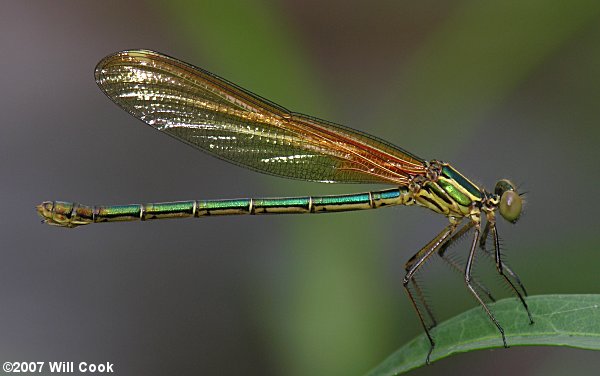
pixel 560 320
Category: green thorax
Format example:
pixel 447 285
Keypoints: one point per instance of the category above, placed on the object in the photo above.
pixel 450 194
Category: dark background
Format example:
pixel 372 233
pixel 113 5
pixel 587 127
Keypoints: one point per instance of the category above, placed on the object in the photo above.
pixel 500 89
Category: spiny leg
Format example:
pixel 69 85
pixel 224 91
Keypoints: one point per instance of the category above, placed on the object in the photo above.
pixel 455 265
pixel 417 261
pixel 470 286
pixel 423 301
pixel 500 267
pixel 491 254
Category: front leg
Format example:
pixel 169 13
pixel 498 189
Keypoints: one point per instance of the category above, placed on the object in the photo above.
pixel 500 267
pixel 492 254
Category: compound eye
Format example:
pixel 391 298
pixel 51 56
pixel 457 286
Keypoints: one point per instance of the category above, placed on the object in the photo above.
pixel 503 186
pixel 510 206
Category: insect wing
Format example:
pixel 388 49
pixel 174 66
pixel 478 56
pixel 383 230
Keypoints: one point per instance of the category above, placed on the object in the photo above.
pixel 231 123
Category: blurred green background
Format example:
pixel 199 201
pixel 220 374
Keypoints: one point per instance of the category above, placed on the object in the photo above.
pixel 498 88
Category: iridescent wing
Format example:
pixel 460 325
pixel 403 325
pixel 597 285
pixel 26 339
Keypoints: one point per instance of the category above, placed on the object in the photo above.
pixel 222 119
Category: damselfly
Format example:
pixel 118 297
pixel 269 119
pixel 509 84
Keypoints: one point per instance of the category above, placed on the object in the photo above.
pixel 231 123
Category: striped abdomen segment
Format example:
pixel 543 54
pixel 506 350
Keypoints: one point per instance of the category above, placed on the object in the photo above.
pixel 69 214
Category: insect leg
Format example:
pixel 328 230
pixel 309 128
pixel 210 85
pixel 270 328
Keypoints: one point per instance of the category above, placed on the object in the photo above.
pixel 470 284
pixel 455 265
pixel 416 262
pixel 491 254
pixel 500 267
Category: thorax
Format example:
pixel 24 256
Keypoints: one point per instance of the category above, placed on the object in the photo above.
pixel 446 191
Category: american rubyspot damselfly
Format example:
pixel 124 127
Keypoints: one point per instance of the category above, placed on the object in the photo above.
pixel 231 123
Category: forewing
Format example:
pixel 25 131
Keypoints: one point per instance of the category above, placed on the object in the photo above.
pixel 222 119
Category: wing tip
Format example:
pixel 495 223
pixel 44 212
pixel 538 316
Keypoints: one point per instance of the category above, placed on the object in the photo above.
pixel 108 61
